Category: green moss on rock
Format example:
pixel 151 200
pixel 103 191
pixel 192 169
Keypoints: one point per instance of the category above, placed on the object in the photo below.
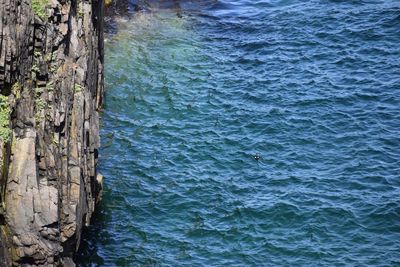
pixel 16 89
pixel 5 111
pixel 78 88
pixel 81 12
pixel 40 105
pixel 39 8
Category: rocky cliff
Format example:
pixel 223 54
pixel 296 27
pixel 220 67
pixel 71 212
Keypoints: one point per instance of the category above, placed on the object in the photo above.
pixel 51 85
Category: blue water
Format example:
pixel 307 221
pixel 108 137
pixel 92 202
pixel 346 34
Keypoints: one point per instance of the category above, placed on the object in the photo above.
pixel 251 133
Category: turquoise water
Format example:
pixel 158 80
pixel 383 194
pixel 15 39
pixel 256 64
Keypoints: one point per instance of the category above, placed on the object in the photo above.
pixel 251 133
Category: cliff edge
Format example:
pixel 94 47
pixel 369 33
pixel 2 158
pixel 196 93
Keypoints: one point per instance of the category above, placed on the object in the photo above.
pixel 51 90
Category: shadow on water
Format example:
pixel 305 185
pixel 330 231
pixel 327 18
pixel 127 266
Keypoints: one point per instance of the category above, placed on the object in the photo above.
pixel 87 254
pixel 124 9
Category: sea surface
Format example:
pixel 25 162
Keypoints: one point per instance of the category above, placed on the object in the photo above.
pixel 250 133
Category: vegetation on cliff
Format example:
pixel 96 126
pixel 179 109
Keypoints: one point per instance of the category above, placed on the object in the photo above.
pixel 5 131
pixel 39 8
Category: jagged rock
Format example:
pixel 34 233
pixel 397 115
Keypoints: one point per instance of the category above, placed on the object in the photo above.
pixel 51 69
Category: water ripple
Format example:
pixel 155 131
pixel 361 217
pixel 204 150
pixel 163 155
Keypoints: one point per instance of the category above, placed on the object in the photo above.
pixel 251 133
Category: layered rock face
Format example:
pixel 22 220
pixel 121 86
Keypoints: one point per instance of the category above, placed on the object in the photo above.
pixel 51 85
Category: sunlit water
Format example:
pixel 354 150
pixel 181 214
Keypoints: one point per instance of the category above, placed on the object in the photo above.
pixel 251 133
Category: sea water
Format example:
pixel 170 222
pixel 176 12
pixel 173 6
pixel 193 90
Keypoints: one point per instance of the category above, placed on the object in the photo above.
pixel 251 133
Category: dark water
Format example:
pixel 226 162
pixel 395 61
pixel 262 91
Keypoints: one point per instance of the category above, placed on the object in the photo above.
pixel 251 133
